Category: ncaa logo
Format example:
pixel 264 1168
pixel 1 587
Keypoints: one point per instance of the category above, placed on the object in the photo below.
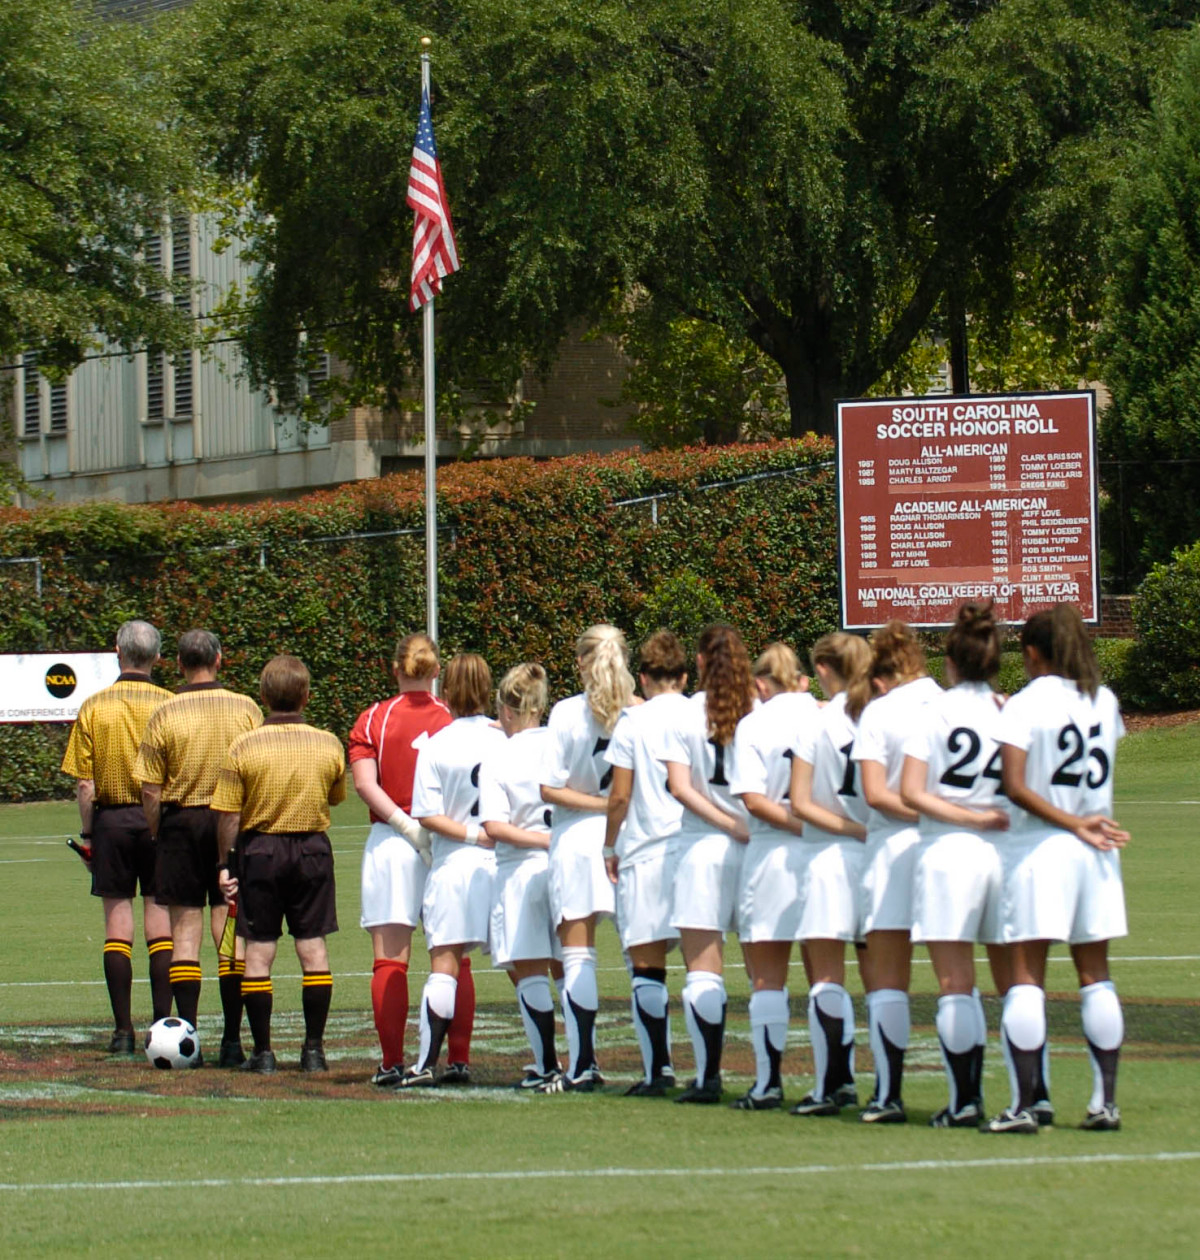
pixel 60 681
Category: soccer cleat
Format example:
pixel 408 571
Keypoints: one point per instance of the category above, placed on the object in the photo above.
pixel 312 1057
pixel 770 1100
pixel 387 1077
pixel 883 1113
pixel 709 1092
pixel 551 1083
pixel 417 1078
pixel 969 1116
pixel 811 1105
pixel 1043 1112
pixel 261 1062
pixel 232 1055
pixel 846 1096
pixel 586 1082
pixel 656 1088
pixel 1107 1119
pixel 121 1041
pixel 1009 1121
pixel 456 1074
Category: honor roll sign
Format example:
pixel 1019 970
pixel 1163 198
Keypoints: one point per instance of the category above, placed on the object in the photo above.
pixel 942 500
pixel 50 688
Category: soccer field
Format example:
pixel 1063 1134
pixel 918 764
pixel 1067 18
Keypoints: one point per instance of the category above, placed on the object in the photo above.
pixel 99 1155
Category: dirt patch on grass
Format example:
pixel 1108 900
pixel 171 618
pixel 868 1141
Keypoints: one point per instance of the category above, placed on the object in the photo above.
pixel 1160 721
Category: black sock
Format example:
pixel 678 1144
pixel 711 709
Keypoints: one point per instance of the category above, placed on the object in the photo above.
pixel 160 975
pixel 118 976
pixel 1027 1065
pixel 229 979
pixel 1106 1061
pixel 257 997
pixel 714 1041
pixel 837 1057
pixel 185 988
pixel 585 1021
pixel 961 1065
pixel 895 1061
pixel 438 1028
pixel 656 1027
pixel 316 995
pixel 543 1021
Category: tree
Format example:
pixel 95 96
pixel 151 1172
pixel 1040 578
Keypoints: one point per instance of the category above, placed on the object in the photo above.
pixel 818 179
pixel 1150 435
pixel 89 163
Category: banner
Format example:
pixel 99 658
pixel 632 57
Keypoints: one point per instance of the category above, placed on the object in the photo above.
pixel 943 500
pixel 51 687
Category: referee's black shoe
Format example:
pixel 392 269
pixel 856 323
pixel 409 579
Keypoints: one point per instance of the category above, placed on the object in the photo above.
pixel 121 1041
pixel 232 1055
pixel 261 1062
pixel 312 1057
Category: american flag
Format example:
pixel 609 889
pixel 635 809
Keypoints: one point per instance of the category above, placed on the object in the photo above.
pixel 434 252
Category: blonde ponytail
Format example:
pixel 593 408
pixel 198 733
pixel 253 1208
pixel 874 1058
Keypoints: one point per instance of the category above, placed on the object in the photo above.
pixel 603 658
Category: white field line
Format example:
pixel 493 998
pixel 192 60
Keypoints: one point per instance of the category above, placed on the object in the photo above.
pixel 580 1174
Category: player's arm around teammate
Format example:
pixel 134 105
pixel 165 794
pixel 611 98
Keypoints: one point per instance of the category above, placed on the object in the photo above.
pixel 902 689
pixel 712 842
pixel 575 783
pixel 383 749
pixel 517 820
pixel 770 895
pixel 1062 877
pixel 950 776
pixel 643 821
pixel 101 756
pixel 826 796
pixel 458 893
pixel 274 793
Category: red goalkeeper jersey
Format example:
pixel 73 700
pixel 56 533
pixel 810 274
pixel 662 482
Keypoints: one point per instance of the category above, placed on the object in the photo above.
pixel 391 733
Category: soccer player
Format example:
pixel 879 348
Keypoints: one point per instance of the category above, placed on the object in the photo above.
pixel 903 689
pixel 643 818
pixel 951 776
pixel 181 754
pixel 101 755
pixel 1062 869
pixel 827 797
pixel 458 893
pixel 517 820
pixel 575 782
pixel 384 745
pixel 770 895
pixel 710 843
pixel 273 793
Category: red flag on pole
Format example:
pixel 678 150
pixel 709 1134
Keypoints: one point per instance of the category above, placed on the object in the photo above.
pixel 434 251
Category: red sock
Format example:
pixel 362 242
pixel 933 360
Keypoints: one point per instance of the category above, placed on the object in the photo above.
pixel 389 997
pixel 464 1016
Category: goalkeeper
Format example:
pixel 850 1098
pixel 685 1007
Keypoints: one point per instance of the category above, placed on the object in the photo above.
pixel 383 757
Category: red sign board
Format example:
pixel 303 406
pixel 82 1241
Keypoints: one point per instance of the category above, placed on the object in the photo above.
pixel 943 500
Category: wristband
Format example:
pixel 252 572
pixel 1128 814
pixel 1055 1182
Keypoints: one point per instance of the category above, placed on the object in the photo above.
pixel 474 834
pixel 85 835
pixel 223 866
pixel 609 851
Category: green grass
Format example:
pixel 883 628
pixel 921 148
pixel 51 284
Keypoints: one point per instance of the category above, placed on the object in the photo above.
pixel 579 1176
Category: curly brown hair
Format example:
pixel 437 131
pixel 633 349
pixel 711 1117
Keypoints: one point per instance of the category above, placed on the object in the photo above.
pixel 726 679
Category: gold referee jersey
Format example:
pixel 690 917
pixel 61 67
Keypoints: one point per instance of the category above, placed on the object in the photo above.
pixel 107 734
pixel 282 777
pixel 187 738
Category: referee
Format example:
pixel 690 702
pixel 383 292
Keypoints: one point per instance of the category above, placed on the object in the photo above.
pixel 273 794
pixel 181 753
pixel 100 756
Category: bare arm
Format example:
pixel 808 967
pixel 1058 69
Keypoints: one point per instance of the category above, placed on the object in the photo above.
pixel 1097 830
pixel 881 797
pixel 152 806
pixel 518 837
pixel 619 795
pixel 679 784
pixel 915 793
pixel 805 808
pixel 568 798
pixel 366 783
pixel 773 813
pixel 465 833
pixel 228 826
pixel 85 798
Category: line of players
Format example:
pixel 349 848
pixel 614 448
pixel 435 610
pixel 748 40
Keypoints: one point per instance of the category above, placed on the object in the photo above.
pixel 878 819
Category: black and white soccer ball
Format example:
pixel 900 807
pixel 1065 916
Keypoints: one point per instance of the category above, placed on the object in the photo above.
pixel 172 1043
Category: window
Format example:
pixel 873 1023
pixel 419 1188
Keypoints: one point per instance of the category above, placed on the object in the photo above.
pixel 31 411
pixel 181 269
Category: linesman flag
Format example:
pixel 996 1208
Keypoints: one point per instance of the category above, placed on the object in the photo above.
pixel 434 252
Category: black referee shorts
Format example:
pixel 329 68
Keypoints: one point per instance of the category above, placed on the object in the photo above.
pixel 185 872
pixel 122 852
pixel 285 876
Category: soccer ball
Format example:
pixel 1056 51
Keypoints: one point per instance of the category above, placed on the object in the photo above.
pixel 172 1043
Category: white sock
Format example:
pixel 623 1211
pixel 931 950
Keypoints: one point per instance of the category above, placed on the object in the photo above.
pixel 848 1027
pixel 829 1000
pixel 533 999
pixel 704 1000
pixel 768 1031
pixel 1104 1028
pixel 889 1024
pixel 980 1018
pixel 649 998
pixel 581 999
pixel 1023 1027
pixel 957 1029
pixel 437 998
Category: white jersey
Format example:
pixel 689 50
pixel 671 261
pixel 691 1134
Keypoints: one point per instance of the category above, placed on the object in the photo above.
pixel 763 748
pixel 575 755
pixel 1070 740
pixel 956 737
pixel 686 741
pixel 447 777
pixel 827 745
pixel 654 814
pixel 882 730
pixel 510 790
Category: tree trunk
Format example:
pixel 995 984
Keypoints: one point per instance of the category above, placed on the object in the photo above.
pixel 960 380
pixel 812 397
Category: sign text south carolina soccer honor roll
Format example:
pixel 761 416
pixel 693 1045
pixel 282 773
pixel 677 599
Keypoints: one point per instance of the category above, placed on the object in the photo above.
pixel 942 500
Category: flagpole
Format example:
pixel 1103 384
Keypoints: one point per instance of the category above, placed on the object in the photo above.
pixel 431 586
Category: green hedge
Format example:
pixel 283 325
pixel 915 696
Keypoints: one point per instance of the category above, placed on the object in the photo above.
pixel 1166 616
pixel 1113 657
pixel 530 554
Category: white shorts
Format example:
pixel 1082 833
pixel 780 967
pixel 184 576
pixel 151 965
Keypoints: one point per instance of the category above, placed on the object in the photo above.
pixel 707 872
pixel 644 900
pixel 521 927
pixel 800 890
pixel 1056 888
pixel 393 879
pixel 888 879
pixel 956 889
pixel 458 898
pixel 579 884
